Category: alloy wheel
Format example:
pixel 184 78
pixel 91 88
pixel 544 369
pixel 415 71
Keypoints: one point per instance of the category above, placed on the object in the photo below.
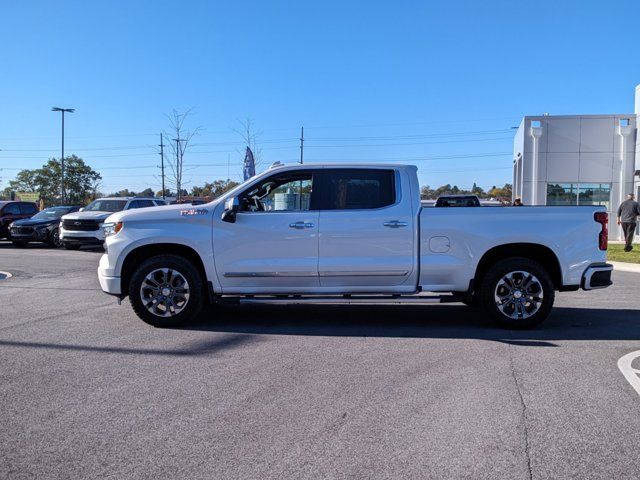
pixel 164 292
pixel 519 295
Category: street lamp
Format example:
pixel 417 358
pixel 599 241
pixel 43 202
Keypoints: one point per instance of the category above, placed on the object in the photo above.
pixel 62 110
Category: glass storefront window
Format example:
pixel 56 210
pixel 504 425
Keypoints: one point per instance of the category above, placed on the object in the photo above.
pixel 579 194
pixel 562 194
pixel 594 194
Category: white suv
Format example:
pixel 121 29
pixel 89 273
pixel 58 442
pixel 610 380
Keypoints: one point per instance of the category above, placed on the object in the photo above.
pixel 85 227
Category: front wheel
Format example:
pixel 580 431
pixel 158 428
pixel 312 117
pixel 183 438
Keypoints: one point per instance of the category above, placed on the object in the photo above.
pixel 166 291
pixel 54 239
pixel 518 293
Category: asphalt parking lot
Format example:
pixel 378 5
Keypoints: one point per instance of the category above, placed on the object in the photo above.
pixel 89 391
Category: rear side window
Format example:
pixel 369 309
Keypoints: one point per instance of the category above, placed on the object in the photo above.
pixel 358 189
pixel 28 209
pixel 160 202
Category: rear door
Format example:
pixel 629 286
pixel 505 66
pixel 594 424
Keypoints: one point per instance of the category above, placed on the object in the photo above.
pixel 367 230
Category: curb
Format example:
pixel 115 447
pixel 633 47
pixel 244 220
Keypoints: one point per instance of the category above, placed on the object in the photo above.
pixel 626 267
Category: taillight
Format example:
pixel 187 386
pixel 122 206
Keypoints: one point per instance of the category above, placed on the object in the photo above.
pixel 603 237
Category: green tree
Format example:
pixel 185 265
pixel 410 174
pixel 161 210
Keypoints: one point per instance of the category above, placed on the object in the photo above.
pixel 80 180
pixel 213 189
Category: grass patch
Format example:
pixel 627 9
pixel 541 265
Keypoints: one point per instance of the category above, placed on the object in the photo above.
pixel 616 253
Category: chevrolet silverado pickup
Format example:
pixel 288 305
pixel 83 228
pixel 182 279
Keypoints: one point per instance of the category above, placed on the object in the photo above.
pixel 350 233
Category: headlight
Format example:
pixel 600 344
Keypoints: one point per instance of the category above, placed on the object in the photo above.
pixel 111 228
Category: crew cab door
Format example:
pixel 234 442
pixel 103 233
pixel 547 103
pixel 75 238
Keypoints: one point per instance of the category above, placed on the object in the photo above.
pixel 367 231
pixel 273 244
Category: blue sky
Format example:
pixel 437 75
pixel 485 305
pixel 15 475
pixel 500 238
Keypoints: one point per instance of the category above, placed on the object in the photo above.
pixel 435 83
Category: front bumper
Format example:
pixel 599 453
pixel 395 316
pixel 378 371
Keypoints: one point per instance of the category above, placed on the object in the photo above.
pixel 36 235
pixel 108 283
pixel 79 237
pixel 597 275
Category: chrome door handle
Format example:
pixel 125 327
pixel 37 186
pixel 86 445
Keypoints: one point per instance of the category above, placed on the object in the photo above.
pixel 395 224
pixel 301 225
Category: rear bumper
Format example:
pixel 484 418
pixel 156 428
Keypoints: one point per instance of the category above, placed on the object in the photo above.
pixel 597 275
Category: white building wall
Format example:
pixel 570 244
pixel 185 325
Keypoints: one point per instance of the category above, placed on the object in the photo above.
pixel 577 149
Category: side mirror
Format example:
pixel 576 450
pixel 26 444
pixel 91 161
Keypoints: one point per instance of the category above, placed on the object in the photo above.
pixel 231 207
pixel 81 210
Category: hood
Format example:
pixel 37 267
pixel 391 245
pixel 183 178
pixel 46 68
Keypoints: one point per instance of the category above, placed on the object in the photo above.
pixel 168 212
pixel 86 216
pixel 30 222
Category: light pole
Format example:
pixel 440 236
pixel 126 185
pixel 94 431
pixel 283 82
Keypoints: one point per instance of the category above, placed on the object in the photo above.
pixel 62 110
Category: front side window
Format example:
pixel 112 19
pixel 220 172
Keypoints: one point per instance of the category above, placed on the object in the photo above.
pixel 140 204
pixel 358 189
pixel 11 209
pixel 288 191
pixel 106 206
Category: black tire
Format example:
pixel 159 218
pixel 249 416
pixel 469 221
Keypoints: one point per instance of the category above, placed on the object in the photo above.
pixel 527 314
pixel 19 244
pixel 179 266
pixel 71 246
pixel 54 239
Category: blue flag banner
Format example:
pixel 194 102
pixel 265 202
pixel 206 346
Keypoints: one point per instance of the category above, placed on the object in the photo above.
pixel 249 169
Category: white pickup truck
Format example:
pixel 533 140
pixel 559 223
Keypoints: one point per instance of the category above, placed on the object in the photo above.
pixel 350 233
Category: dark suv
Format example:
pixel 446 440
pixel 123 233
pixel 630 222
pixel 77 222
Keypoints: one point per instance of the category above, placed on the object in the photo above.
pixel 11 211
pixel 42 227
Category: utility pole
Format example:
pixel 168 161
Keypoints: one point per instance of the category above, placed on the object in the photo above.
pixel 62 110
pixel 228 166
pixel 162 162
pixel 178 168
pixel 302 145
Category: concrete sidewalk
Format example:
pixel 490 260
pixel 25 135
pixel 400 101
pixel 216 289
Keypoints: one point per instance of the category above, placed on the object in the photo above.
pixel 626 267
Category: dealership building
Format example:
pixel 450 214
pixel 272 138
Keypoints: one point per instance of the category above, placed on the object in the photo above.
pixel 578 160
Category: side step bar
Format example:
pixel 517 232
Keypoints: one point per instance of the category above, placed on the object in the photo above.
pixel 340 299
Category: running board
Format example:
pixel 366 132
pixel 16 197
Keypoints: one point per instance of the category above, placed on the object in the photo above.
pixel 341 299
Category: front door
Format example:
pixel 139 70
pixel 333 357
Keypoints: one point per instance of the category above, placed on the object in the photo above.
pixel 273 244
pixel 367 231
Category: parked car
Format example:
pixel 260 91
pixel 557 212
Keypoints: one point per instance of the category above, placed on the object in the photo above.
pixel 457 201
pixel 351 233
pixel 11 211
pixel 43 227
pixel 85 226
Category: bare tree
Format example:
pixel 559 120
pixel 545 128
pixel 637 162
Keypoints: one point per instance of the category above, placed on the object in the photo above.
pixel 179 137
pixel 247 131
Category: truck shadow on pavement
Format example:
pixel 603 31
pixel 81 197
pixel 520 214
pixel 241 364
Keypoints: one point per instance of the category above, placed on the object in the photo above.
pixel 242 326
pixel 417 322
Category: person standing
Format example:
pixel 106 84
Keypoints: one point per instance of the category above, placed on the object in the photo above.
pixel 628 213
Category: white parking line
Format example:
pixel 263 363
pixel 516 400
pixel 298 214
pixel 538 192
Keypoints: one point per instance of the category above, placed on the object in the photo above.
pixel 631 374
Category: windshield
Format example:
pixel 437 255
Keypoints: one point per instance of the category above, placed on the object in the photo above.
pixel 51 213
pixel 106 206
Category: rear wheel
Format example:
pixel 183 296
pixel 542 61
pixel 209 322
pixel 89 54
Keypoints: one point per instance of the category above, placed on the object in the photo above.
pixel 19 244
pixel 166 291
pixel 518 293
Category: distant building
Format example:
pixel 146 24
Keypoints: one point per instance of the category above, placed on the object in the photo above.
pixel 578 160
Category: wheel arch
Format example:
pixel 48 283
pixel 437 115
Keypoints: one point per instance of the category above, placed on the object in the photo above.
pixel 533 251
pixel 144 252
